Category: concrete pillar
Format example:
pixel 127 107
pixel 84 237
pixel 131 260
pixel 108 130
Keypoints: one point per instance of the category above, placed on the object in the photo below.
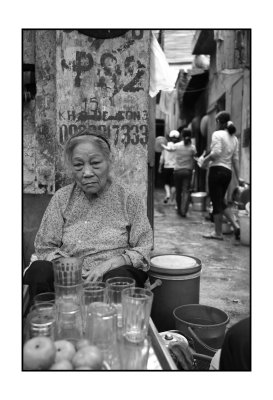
pixel 103 84
pixel 45 112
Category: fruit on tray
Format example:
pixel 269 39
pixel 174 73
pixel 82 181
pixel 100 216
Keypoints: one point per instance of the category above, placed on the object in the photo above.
pixel 42 353
pixel 89 356
pixel 65 350
pixel 62 365
pixel 82 343
pixel 38 353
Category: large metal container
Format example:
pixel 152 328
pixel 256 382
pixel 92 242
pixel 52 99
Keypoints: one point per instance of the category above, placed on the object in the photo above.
pixel 199 201
pixel 179 283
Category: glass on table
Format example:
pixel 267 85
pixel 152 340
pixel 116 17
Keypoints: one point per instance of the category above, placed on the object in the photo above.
pixel 136 310
pixel 94 291
pixel 46 297
pixel 70 321
pixel 67 271
pixel 101 330
pixel 41 321
pixel 134 356
pixel 69 294
pixel 114 287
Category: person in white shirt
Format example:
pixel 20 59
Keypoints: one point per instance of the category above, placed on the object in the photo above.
pixel 166 167
pixel 223 155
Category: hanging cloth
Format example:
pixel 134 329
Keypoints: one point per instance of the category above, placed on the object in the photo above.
pixel 160 75
pixel 167 100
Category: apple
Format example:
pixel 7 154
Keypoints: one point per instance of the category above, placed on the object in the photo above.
pixel 90 356
pixel 82 343
pixel 62 365
pixel 38 353
pixel 65 350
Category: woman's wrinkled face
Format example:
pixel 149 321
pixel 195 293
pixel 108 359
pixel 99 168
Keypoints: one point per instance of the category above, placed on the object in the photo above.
pixel 90 169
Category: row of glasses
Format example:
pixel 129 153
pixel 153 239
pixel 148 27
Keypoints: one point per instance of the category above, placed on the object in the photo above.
pixel 102 312
pixel 117 320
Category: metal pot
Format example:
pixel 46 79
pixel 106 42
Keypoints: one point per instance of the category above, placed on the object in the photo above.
pixel 198 200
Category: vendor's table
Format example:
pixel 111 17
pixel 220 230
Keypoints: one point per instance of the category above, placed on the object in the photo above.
pixel 159 357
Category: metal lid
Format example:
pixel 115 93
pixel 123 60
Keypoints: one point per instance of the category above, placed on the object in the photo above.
pixel 175 264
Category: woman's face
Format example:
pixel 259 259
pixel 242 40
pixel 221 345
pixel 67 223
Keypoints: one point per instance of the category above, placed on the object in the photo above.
pixel 90 169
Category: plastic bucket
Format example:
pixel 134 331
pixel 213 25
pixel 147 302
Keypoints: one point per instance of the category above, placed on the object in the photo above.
pixel 199 201
pixel 179 279
pixel 204 324
pixel 244 229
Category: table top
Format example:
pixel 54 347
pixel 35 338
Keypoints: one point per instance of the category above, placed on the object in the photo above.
pixel 159 356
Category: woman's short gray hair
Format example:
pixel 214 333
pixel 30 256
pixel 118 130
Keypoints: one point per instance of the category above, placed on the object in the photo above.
pixel 99 140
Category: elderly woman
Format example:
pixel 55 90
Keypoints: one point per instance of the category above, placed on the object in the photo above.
pixel 96 218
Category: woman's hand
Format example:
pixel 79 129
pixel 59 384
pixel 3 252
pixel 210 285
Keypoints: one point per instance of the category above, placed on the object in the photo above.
pixel 97 273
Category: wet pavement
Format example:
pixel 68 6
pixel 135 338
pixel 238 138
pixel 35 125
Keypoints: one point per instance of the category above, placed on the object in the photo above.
pixel 225 277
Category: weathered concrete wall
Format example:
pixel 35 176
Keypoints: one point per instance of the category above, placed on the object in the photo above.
pixel 45 111
pixel 83 82
pixel 28 46
pixel 29 118
pixel 246 142
pixel 104 84
pixel 39 114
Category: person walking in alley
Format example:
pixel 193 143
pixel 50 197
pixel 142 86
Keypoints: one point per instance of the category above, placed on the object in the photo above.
pixel 183 168
pixel 223 155
pixel 166 167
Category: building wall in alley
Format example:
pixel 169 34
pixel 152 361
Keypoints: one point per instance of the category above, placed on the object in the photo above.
pixel 86 82
pixel 29 117
pixel 229 85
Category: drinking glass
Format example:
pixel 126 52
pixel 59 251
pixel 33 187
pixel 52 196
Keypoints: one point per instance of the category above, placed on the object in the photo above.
pixel 136 310
pixel 115 287
pixel 101 330
pixel 46 297
pixel 41 320
pixel 67 271
pixel 73 293
pixel 134 356
pixel 70 321
pixel 94 291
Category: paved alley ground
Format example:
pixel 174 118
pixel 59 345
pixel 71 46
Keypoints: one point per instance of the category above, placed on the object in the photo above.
pixel 225 277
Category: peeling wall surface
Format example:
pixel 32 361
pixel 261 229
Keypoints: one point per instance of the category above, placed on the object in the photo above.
pixel 29 140
pixel 103 84
pixel 45 112
pixel 86 82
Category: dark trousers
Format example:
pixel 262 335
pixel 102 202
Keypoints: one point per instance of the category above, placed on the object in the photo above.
pixel 40 277
pixel 182 182
pixel 218 181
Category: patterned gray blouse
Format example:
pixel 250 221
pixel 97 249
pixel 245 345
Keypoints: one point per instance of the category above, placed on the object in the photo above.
pixel 111 224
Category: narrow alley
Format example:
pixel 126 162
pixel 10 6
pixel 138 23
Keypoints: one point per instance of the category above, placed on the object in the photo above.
pixel 225 276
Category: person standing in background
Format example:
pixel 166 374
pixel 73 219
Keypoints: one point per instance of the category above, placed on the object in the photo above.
pixel 184 163
pixel 166 167
pixel 223 155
